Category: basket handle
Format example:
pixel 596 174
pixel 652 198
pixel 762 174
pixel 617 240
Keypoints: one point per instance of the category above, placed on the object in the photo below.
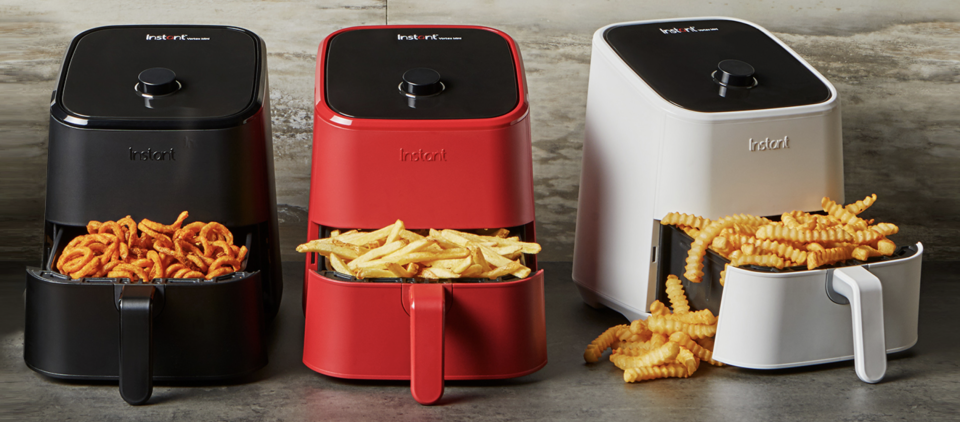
pixel 865 293
pixel 136 342
pixel 427 314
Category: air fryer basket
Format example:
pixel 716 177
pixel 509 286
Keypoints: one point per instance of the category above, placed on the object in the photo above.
pixel 524 232
pixel 252 235
pixel 671 258
pixel 135 332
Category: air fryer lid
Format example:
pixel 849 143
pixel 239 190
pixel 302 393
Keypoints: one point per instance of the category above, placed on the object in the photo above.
pixel 716 65
pixel 420 73
pixel 154 77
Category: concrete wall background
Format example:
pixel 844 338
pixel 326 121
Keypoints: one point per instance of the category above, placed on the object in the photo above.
pixel 896 66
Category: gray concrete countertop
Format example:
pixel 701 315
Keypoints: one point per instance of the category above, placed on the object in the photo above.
pixel 922 383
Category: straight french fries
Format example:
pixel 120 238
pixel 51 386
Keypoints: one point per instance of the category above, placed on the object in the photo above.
pixel 394 251
pixel 414 246
pixel 395 232
pixel 527 247
pixel 428 256
pixel 361 238
pixel 375 273
pixel 380 252
pixel 327 248
pixel 339 266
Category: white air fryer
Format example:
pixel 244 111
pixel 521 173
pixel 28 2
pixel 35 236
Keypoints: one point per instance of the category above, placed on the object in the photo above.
pixel 715 116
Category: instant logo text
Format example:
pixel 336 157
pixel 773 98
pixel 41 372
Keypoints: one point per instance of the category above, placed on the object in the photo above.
pixel 768 144
pixel 685 30
pixel 421 155
pixel 150 155
pixel 429 37
pixel 179 37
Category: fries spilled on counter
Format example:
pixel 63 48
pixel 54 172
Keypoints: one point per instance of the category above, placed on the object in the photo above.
pixel 395 252
pixel 669 344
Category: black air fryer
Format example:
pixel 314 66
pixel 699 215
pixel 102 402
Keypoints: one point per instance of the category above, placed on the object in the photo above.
pixel 149 121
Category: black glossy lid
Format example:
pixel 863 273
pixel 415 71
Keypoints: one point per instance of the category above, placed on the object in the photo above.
pixel 716 65
pixel 160 77
pixel 392 73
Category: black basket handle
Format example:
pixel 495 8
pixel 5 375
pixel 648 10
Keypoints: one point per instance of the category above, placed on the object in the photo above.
pixel 136 342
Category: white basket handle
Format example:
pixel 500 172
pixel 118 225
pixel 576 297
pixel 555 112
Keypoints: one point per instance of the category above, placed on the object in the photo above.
pixel 865 294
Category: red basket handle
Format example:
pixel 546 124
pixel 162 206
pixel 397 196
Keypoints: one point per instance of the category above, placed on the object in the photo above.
pixel 427 314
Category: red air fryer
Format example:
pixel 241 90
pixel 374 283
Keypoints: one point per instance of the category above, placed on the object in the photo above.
pixel 428 124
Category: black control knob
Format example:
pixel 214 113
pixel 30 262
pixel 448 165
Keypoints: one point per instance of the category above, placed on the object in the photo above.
pixel 158 81
pixel 735 73
pixel 421 82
